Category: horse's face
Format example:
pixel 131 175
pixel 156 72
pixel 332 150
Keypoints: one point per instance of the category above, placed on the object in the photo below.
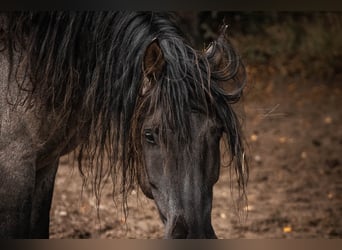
pixel 178 149
pixel 180 178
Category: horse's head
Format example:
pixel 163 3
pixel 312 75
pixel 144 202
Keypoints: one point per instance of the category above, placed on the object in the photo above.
pixel 179 128
pixel 180 177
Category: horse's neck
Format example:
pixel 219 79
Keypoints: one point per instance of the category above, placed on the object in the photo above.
pixel 14 120
pixel 20 124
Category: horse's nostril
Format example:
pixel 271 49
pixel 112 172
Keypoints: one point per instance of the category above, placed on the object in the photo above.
pixel 180 229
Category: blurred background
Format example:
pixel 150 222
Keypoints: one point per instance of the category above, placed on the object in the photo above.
pixel 294 44
pixel 292 118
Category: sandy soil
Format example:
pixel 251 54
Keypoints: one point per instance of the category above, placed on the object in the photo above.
pixel 294 133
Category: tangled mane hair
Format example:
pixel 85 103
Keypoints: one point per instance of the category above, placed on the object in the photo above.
pixel 87 67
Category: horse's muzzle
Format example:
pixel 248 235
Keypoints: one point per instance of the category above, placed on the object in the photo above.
pixel 178 228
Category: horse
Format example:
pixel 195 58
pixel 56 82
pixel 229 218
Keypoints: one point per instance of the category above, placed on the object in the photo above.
pixel 131 98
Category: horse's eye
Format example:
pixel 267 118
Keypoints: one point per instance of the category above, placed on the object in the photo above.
pixel 149 137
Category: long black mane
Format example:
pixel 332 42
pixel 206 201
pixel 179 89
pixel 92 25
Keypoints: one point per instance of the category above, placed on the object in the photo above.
pixel 87 67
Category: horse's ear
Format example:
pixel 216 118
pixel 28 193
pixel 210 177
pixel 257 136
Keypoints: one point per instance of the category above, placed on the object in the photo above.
pixel 214 51
pixel 226 65
pixel 215 57
pixel 209 50
pixel 154 62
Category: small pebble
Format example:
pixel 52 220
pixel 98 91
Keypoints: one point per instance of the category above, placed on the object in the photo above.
pixel 287 229
pixel 282 139
pixel 303 155
pixel 327 120
pixel 257 158
pixel 63 213
pixel 254 137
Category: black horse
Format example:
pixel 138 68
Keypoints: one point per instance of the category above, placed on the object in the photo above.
pixel 123 90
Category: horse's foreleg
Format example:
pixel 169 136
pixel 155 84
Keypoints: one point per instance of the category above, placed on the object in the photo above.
pixel 17 177
pixel 40 215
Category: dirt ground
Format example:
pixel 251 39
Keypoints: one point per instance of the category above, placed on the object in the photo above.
pixel 294 132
